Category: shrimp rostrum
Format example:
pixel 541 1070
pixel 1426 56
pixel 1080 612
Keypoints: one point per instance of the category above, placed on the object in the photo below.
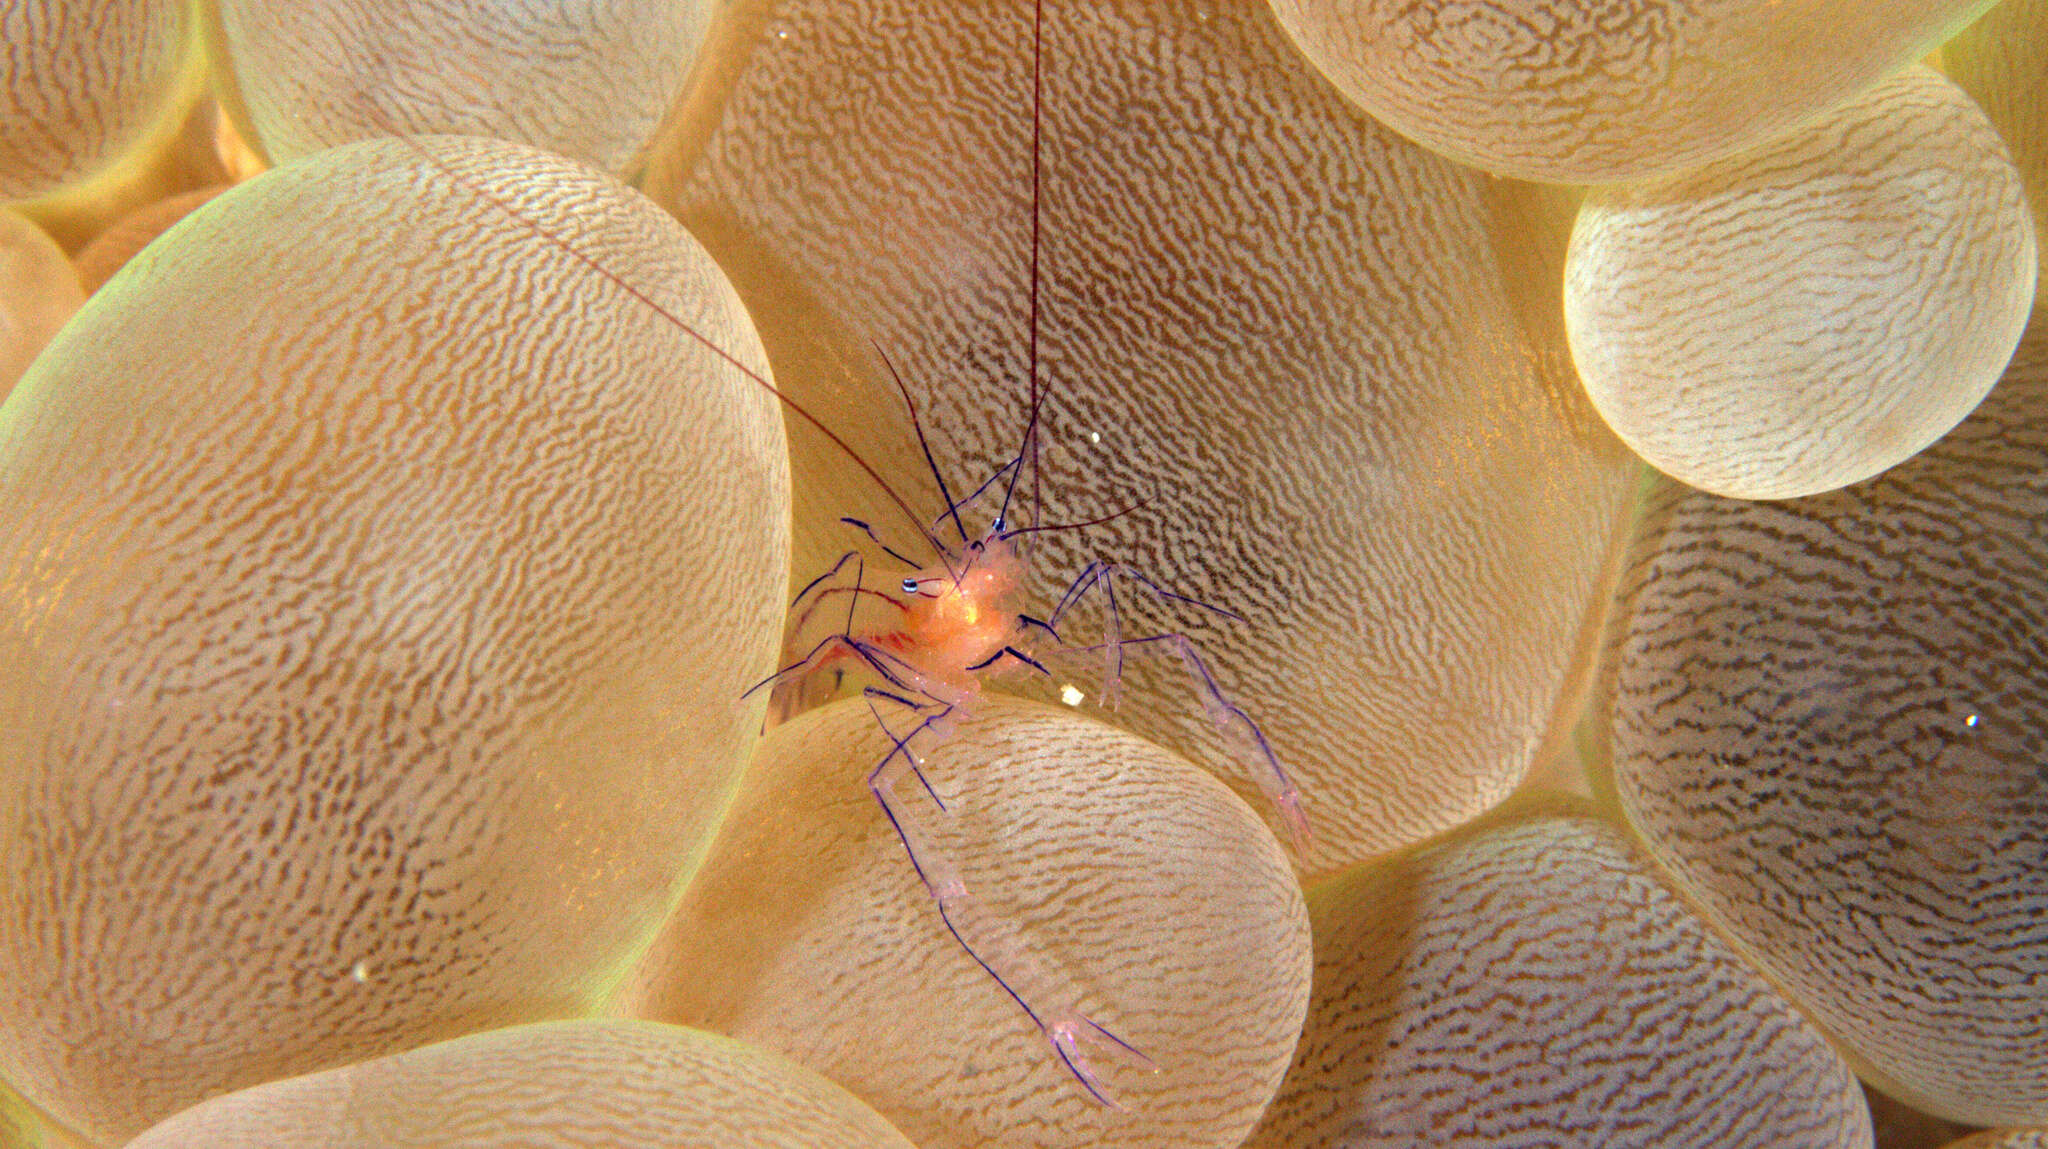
pixel 945 629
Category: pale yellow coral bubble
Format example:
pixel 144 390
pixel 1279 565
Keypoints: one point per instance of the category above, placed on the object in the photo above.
pixel 585 79
pixel 39 289
pixel 111 249
pixel 2002 61
pixel 1533 984
pixel 1578 92
pixel 570 1085
pixel 378 586
pixel 1124 882
pixel 1827 720
pixel 81 81
pixel 1294 336
pixel 1805 315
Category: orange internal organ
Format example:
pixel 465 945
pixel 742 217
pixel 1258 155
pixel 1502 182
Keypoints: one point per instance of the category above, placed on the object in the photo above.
pixel 955 622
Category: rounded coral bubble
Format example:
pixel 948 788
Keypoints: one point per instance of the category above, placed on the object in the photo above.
pixel 1102 875
pixel 39 290
pixel 589 79
pixel 571 1085
pixel 1802 316
pixel 1827 725
pixel 1620 90
pixel 1534 984
pixel 381 585
pixel 83 81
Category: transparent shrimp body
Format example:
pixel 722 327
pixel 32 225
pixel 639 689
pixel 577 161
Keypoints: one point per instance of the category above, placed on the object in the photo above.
pixel 957 623
pixel 948 627
pixel 952 625
pixel 945 628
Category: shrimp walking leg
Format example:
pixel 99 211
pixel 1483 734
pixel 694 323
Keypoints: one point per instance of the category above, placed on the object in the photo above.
pixel 1272 778
pixel 1229 717
pixel 994 942
pixel 844 647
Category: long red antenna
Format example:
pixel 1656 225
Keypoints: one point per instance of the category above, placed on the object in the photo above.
pixel 1030 444
pixel 656 307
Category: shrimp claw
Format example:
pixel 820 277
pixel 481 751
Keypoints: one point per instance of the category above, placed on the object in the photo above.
pixel 1071 1032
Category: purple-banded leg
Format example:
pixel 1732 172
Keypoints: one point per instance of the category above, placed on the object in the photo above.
pixel 992 941
pixel 1099 574
pixel 833 647
pixel 1272 778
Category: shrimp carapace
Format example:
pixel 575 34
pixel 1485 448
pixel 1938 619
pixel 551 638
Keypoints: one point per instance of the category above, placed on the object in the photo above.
pixel 957 622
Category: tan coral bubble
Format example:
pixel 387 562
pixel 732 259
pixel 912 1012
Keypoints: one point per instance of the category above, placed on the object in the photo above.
pixel 1148 896
pixel 1285 329
pixel 1827 724
pixel 377 590
pixel 22 1127
pixel 585 79
pixel 1805 315
pixel 1534 984
pixel 2002 61
pixel 81 82
pixel 591 1084
pixel 1572 92
pixel 113 248
pixel 39 290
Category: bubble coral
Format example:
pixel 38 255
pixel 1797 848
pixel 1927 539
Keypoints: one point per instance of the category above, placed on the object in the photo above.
pixel 1804 315
pixel 312 74
pixel 83 83
pixel 1592 93
pixel 2002 62
pixel 1333 360
pixel 588 1084
pixel 39 290
pixel 2004 1139
pixel 1532 983
pixel 1291 333
pixel 1828 725
pixel 112 248
pixel 380 588
pixel 1136 883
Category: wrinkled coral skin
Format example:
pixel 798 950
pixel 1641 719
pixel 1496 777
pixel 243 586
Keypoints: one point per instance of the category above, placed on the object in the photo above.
pixel 375 629
pixel 1460 243
pixel 1312 352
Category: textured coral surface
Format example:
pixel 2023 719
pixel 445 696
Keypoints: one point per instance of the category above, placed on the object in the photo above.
pixel 1131 422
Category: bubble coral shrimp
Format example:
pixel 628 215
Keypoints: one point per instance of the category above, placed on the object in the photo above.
pixel 953 623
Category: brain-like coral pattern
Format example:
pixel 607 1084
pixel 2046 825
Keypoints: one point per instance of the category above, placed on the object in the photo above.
pixel 1533 984
pixel 380 589
pixel 570 1085
pixel 1828 722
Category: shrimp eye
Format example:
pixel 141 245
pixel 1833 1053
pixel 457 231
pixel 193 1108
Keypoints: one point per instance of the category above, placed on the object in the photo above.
pixel 910 586
pixel 996 528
